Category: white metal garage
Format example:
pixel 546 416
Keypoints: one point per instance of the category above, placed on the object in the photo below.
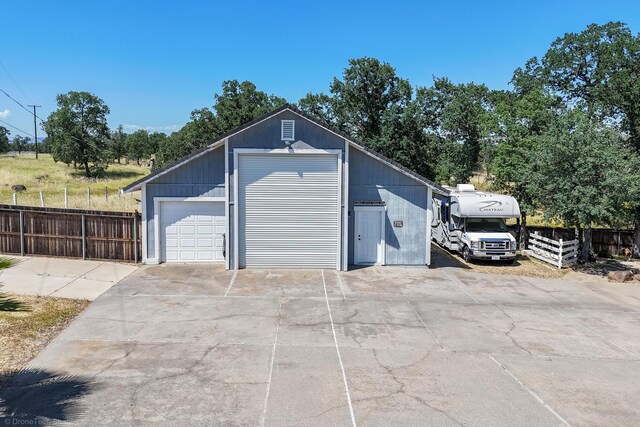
pixel 288 209
pixel 191 231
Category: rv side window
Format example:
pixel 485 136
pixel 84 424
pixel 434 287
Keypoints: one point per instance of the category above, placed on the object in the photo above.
pixel 455 223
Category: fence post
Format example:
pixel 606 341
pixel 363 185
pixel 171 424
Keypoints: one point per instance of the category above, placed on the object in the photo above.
pixel 21 233
pixel 84 238
pixel 560 255
pixel 89 197
pixel 106 194
pixel 135 237
pixel 66 198
pixel 15 199
pixel 619 243
pixel 41 199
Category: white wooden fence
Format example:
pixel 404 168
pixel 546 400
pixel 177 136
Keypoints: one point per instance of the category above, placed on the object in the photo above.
pixel 559 253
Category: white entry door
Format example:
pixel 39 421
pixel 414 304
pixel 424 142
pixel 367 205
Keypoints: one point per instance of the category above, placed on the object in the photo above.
pixel 191 231
pixel 369 235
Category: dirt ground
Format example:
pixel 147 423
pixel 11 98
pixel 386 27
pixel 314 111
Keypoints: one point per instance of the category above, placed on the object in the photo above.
pixel 531 267
pixel 28 323
pixel 524 266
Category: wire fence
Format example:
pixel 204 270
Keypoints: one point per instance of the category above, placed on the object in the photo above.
pixel 99 198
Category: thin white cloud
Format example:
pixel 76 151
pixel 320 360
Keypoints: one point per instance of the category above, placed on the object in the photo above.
pixel 4 114
pixel 166 129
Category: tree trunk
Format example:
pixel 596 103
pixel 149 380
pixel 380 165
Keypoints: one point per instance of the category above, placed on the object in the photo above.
pixel 586 243
pixel 523 231
pixel 87 171
pixel 635 252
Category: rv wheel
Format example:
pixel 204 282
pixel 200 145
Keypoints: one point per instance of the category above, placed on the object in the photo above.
pixel 465 254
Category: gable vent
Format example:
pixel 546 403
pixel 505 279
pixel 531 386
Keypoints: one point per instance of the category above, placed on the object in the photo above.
pixel 288 130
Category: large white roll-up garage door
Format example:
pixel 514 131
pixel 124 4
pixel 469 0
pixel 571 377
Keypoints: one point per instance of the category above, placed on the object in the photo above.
pixel 288 210
pixel 191 231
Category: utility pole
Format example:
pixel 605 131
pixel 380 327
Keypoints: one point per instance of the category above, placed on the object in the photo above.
pixel 35 127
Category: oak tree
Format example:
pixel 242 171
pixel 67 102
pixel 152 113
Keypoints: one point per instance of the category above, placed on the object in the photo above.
pixel 78 131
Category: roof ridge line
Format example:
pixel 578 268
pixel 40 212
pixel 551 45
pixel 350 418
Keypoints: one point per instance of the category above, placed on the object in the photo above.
pixel 287 106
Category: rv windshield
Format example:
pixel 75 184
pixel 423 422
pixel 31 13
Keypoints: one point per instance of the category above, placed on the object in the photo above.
pixel 486 225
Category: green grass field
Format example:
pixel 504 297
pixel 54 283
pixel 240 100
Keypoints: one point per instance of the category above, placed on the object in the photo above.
pixel 51 178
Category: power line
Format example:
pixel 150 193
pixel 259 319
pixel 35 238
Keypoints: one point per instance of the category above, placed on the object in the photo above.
pixel 18 129
pixel 15 83
pixel 14 100
pixel 30 112
pixel 20 104
pixel 23 107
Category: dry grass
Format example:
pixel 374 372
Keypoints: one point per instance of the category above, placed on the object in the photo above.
pixel 51 178
pixel 524 266
pixel 28 323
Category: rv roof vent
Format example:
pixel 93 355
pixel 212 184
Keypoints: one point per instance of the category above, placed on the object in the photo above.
pixel 466 187
pixel 288 130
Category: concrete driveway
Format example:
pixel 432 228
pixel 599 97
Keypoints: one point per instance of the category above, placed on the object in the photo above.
pixel 379 346
pixel 62 277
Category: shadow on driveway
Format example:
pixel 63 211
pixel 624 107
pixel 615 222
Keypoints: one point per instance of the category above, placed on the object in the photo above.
pixel 441 258
pixel 37 396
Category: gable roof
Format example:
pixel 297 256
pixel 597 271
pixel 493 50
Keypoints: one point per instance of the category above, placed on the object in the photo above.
pixel 219 141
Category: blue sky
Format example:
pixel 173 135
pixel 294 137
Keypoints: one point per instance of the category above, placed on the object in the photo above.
pixel 153 62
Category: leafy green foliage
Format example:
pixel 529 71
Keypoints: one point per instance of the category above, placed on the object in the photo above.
pixel 319 106
pixel 78 131
pixel 524 116
pixel 20 144
pixel 142 145
pixel 584 174
pixel 137 145
pixel 374 105
pixel 598 72
pixel 438 134
pixel 368 98
pixel 461 115
pixel 44 146
pixel 155 140
pixel 116 144
pixel 586 67
pixel 238 104
pixel 402 138
pixel 4 139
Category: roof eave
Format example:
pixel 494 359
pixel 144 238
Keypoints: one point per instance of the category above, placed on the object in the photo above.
pixel 137 185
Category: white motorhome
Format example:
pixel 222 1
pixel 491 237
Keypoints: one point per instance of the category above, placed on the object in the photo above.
pixel 473 223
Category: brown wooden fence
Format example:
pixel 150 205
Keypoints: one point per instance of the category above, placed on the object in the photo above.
pixel 605 241
pixel 70 233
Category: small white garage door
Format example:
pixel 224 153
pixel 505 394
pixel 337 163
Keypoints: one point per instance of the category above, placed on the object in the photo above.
pixel 191 231
pixel 288 210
